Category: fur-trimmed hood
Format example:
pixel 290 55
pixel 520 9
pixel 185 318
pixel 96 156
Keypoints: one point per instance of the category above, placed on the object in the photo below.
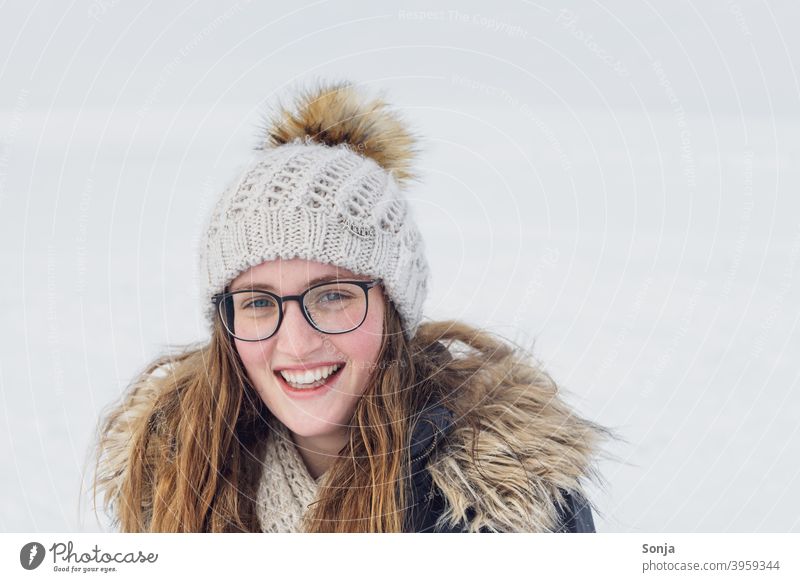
pixel 506 454
pixel 501 454
pixel 521 477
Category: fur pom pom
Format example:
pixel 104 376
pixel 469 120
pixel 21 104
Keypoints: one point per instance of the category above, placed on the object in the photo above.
pixel 335 113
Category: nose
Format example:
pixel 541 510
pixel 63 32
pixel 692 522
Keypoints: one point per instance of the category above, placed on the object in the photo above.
pixel 296 337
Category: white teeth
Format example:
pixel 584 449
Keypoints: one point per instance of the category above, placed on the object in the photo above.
pixel 309 376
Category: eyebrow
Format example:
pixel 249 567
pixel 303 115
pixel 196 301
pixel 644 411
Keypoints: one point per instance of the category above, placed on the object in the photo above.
pixel 311 283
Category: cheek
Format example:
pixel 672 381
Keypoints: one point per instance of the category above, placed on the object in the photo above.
pixel 256 357
pixel 367 339
pixel 366 345
pixel 254 354
pixel 361 348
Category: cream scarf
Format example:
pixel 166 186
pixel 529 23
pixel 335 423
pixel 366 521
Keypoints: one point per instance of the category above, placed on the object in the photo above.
pixel 286 488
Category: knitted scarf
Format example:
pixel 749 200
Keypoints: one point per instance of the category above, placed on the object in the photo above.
pixel 286 488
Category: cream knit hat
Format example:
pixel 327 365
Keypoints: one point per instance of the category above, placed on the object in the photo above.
pixel 325 186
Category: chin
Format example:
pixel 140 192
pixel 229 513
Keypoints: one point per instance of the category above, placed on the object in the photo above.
pixel 312 427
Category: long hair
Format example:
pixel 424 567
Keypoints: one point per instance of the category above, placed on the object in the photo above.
pixel 197 433
pixel 196 429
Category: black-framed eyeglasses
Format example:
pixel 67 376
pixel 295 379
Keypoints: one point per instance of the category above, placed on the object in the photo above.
pixel 332 307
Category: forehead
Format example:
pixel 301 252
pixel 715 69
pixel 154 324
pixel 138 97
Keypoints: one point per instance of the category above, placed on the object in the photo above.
pixel 280 273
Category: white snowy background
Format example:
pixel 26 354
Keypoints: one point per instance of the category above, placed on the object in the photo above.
pixel 617 181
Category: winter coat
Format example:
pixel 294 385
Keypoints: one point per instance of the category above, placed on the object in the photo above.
pixel 523 472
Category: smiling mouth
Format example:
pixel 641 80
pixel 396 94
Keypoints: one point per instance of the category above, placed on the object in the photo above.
pixel 296 379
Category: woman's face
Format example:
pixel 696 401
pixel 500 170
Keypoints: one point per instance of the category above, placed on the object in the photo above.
pixel 297 346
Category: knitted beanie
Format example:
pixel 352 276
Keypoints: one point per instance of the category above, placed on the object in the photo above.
pixel 327 185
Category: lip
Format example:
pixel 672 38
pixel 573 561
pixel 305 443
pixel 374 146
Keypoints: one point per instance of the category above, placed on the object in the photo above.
pixel 330 382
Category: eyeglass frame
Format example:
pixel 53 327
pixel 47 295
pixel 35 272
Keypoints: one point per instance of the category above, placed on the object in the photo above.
pixel 365 285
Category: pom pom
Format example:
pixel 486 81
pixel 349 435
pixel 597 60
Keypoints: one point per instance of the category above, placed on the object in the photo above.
pixel 335 113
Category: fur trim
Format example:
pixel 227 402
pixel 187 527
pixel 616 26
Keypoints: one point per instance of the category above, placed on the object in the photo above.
pixel 529 449
pixel 135 415
pixel 509 476
pixel 335 113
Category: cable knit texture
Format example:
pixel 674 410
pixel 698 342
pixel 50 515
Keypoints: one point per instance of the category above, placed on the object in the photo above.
pixel 286 488
pixel 324 203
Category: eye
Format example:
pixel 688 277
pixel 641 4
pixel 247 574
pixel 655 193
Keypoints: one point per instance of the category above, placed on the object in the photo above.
pixel 260 303
pixel 329 296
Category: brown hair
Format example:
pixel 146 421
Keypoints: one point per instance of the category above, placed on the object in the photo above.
pixel 191 455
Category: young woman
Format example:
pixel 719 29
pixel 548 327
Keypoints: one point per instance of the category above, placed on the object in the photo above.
pixel 321 402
